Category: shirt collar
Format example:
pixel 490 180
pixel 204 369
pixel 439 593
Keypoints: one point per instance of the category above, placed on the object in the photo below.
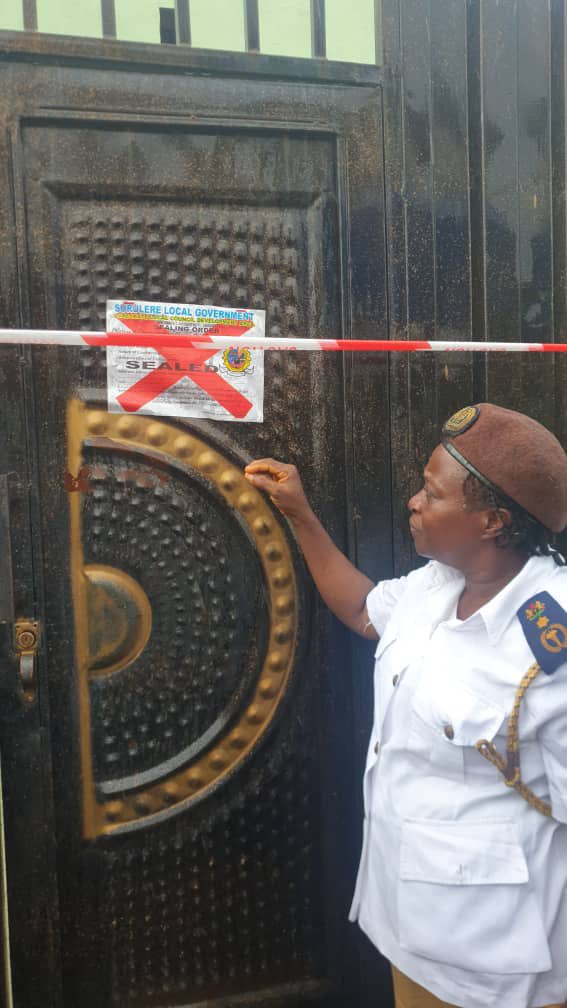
pixel 501 610
pixel 444 586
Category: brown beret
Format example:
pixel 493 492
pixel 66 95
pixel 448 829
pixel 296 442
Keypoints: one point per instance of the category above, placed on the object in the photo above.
pixel 515 456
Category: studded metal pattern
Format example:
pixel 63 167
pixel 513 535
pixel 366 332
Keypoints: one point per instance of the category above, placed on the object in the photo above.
pixel 214 256
pixel 199 911
pixel 210 900
pixel 221 894
pixel 109 527
pixel 162 528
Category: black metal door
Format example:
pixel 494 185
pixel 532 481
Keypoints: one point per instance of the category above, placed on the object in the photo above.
pixel 201 823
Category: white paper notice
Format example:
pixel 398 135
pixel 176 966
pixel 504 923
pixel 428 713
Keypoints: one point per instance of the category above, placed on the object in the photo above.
pixel 206 383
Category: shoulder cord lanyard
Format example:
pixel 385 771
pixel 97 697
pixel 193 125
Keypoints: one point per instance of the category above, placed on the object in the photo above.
pixel 509 766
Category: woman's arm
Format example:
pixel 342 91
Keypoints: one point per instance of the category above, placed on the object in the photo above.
pixel 342 587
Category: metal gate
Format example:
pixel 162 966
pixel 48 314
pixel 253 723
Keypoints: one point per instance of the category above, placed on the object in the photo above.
pixel 182 726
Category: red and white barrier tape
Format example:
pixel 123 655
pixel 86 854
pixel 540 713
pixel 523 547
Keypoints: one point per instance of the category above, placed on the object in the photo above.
pixel 155 339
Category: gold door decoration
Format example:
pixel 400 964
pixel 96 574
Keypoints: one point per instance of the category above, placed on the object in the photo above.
pixel 101 592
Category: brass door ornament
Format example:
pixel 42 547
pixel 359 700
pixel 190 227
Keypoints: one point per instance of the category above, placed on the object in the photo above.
pixel 105 593
pixel 26 644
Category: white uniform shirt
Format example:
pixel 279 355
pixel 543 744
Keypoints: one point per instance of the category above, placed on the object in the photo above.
pixel 462 885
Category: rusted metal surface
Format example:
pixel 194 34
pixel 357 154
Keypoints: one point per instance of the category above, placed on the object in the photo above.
pixel 163 171
pixel 125 182
pixel 28 46
pixel 6 571
pixel 475 170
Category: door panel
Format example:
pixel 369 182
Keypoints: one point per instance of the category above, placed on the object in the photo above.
pixel 186 609
pixel 201 710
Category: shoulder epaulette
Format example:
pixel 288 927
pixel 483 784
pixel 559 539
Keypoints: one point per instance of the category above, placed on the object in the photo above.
pixel 544 623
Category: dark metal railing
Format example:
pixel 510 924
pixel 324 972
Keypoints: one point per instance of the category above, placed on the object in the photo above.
pixel 175 23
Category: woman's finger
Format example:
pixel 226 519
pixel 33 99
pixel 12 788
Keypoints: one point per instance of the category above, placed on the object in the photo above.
pixel 262 482
pixel 277 470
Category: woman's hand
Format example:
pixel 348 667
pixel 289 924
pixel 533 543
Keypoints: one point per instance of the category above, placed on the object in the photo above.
pixel 283 485
pixel 341 585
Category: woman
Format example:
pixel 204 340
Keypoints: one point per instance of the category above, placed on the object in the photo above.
pixel 462 882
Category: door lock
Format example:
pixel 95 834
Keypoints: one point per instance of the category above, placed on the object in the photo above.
pixel 26 642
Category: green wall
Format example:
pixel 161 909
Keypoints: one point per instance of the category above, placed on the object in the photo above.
pixel 218 24
pixel 11 15
pixel 285 27
pixel 138 20
pixel 350 30
pixel 67 18
pixel 215 24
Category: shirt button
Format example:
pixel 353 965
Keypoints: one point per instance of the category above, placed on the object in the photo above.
pixel 376 748
pixel 449 731
pixel 395 680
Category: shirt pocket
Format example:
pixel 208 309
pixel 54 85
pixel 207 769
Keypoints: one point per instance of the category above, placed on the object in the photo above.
pixel 447 718
pixel 465 899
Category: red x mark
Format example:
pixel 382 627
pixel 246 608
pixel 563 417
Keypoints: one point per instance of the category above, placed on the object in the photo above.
pixel 159 380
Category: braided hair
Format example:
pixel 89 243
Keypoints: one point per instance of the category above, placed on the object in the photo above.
pixel 522 532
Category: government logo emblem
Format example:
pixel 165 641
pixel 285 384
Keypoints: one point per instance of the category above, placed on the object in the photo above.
pixel 237 359
pixel 535 610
